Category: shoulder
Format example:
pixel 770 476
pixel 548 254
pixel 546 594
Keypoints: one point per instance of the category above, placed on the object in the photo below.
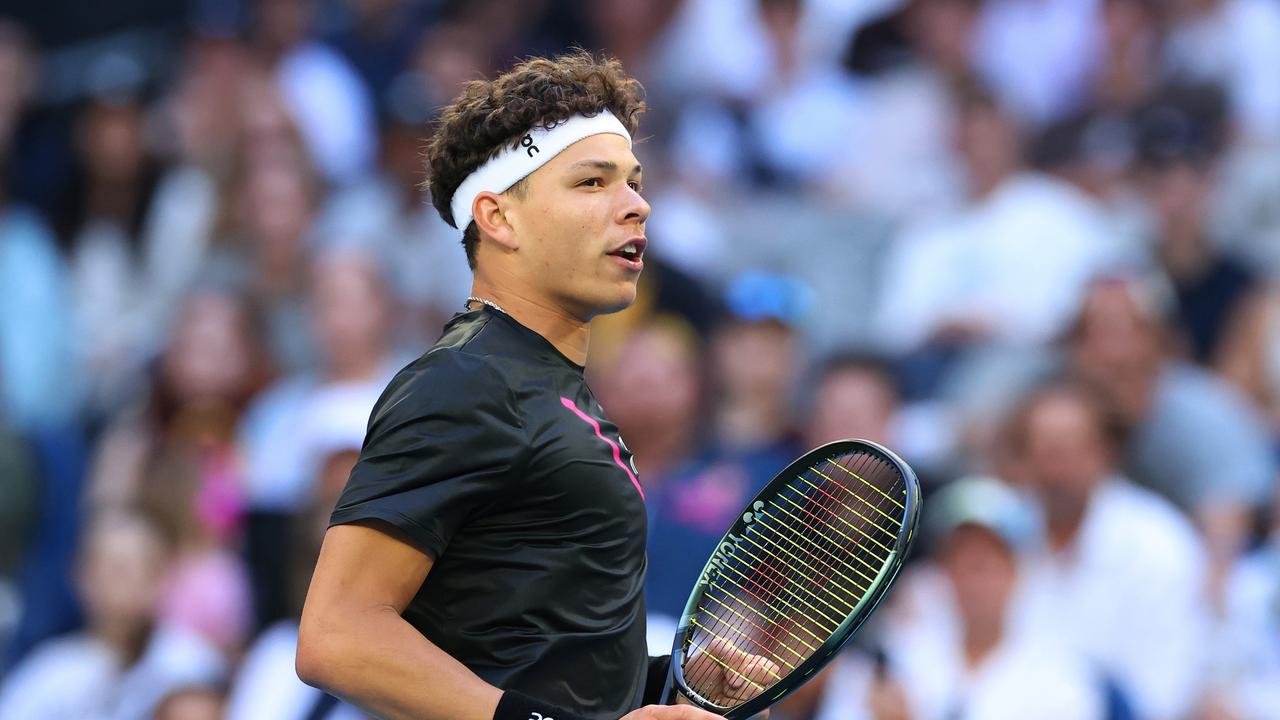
pixel 1189 397
pixel 1038 676
pixel 449 380
pixel 36 682
pixel 1151 526
pixel 61 653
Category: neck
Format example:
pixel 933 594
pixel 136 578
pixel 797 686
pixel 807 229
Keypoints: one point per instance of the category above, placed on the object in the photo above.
pixel 751 421
pixel 1184 251
pixel 570 335
pixel 128 641
pixel 1063 526
pixel 980 640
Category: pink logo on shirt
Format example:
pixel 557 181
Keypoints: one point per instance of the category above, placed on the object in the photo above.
pixel 617 453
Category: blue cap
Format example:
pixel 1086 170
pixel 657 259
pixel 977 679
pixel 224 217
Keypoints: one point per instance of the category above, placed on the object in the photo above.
pixel 758 296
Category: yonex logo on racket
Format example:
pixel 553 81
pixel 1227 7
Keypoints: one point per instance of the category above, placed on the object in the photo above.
pixel 729 547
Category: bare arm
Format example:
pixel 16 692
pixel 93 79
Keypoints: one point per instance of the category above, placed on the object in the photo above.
pixel 353 643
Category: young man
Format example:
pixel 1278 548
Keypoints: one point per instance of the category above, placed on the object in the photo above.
pixel 487 556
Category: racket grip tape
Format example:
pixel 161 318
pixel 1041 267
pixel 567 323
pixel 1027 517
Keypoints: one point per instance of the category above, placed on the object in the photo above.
pixel 515 705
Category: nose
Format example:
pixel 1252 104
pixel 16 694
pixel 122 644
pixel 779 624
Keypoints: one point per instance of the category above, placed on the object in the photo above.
pixel 635 209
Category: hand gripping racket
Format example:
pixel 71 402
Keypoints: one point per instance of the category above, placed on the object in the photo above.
pixel 793 579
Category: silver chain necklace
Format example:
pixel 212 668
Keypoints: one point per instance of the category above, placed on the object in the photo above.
pixel 490 303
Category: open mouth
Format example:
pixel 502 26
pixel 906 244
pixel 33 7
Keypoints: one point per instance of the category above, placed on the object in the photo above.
pixel 632 251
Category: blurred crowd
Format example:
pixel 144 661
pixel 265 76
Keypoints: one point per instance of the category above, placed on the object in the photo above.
pixel 1032 245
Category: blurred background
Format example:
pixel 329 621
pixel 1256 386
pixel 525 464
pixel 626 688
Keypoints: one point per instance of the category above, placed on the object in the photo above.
pixel 1033 245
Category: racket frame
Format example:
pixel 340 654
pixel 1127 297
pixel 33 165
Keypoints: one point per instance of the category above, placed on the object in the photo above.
pixel 843 633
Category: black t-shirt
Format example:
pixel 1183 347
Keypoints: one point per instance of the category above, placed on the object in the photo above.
pixel 492 455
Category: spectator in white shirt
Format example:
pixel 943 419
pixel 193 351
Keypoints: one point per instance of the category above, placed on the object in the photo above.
pixel 1008 269
pixel 122 665
pixel 1122 574
pixel 951 649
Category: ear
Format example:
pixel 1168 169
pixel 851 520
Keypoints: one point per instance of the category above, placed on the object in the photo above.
pixel 490 213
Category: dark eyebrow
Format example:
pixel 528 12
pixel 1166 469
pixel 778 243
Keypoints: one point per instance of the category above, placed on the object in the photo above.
pixel 605 165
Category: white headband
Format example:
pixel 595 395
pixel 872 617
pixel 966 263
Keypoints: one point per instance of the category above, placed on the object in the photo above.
pixel 535 149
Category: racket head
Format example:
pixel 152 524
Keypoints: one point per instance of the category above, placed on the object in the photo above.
pixel 779 560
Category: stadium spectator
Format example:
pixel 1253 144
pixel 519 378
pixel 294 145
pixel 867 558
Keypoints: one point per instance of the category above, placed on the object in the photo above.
pixel 350 317
pixel 952 645
pixel 1179 138
pixel 1180 420
pixel 1122 573
pixel 752 360
pixel 100 223
pixel 277 204
pixel 1006 269
pixel 176 454
pixel 324 95
pixel 389 213
pixel 853 396
pixel 945 175
pixel 35 308
pixel 654 394
pixel 267 686
pixel 901 158
pixel 123 664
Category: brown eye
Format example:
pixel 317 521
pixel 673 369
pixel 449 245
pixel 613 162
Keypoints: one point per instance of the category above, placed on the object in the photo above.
pixel 593 182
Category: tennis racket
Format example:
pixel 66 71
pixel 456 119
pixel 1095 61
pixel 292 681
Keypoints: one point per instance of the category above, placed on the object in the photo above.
pixel 800 570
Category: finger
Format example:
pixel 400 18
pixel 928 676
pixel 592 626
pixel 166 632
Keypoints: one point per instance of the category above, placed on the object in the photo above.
pixel 762 670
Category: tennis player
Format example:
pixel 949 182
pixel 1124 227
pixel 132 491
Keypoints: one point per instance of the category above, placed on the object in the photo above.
pixel 487 557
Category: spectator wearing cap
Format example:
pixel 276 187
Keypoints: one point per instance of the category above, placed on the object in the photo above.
pixel 952 648
pixel 753 361
pixel 1122 572
pixel 1189 435
pixel 753 356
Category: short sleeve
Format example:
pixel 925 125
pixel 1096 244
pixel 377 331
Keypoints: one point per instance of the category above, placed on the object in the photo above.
pixel 443 442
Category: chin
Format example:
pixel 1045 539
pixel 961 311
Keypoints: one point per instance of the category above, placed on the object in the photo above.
pixel 616 301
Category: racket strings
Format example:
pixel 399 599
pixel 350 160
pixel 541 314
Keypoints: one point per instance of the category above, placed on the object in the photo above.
pixel 779 591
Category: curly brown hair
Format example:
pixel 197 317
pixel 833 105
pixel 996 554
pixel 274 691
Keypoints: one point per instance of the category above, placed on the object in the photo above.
pixel 492 114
